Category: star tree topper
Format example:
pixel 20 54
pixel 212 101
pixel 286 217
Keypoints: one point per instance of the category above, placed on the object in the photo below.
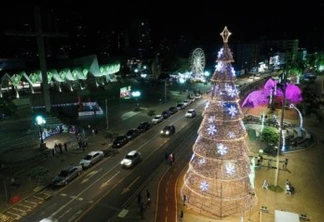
pixel 225 34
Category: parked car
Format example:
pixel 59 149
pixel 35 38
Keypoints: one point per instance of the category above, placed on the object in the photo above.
pixel 186 102
pixel 190 113
pixel 198 96
pixel 180 106
pixel 132 134
pixel 131 159
pixel 157 119
pixel 66 175
pixel 168 130
pixel 173 110
pixel 166 114
pixel 91 158
pixel 144 126
pixel 120 141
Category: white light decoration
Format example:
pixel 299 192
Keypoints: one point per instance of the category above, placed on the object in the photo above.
pixel 233 72
pixel 231 134
pixel 192 157
pixel 211 130
pixel 207 105
pixel 221 149
pixel 211 119
pixel 204 186
pixel 230 168
pixel 243 126
pixel 232 110
pixel 231 92
pixel 220 53
pixel 202 161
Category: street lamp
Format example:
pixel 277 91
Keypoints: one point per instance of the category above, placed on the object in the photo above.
pixel 300 115
pixel 40 121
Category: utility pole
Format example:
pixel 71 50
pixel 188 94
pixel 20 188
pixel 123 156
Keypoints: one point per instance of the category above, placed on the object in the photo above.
pixel 39 34
pixel 284 86
pixel 106 101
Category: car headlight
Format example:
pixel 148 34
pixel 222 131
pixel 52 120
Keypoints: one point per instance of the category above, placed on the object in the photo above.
pixel 167 132
pixel 162 131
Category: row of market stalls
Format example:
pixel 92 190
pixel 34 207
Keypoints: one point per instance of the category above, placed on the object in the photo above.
pixel 71 75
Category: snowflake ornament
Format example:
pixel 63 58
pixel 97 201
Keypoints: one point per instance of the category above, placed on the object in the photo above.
pixel 230 168
pixel 204 186
pixel 231 134
pixel 201 161
pixel 232 110
pixel 211 119
pixel 221 149
pixel 231 92
pixel 211 130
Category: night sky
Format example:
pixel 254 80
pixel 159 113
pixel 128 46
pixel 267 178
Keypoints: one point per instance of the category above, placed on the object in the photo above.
pixel 202 20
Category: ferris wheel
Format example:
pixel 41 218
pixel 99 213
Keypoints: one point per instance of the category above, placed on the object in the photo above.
pixel 197 62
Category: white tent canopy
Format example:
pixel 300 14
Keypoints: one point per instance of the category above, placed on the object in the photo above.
pixel 283 216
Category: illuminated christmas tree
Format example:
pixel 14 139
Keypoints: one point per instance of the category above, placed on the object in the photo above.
pixel 220 178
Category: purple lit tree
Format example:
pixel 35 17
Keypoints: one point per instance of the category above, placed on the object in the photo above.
pixel 220 179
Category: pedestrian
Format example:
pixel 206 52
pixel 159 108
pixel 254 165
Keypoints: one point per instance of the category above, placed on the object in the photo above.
pixel 285 164
pixel 60 147
pixel 269 164
pixel 53 152
pixel 13 181
pixel 65 147
pixel 170 159
pixel 184 200
pixel 166 156
pixel 139 199
pixel 181 214
pixel 142 210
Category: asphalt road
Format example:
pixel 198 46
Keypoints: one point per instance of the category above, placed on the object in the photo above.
pixel 103 191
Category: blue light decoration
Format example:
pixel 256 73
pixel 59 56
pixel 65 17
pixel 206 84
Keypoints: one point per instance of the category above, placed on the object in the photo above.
pixel 211 130
pixel 204 186
pixel 231 108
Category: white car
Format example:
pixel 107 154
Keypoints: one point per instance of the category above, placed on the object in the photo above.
pixel 186 102
pixel 91 158
pixel 157 119
pixel 131 159
pixel 190 113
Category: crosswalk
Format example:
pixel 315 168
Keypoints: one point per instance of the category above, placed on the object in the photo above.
pixel 22 208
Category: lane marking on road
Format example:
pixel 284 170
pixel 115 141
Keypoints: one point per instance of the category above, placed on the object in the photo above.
pixel 75 216
pixel 66 212
pixel 88 187
pixel 126 189
pixel 104 184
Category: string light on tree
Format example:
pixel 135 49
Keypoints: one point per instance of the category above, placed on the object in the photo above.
pixel 219 179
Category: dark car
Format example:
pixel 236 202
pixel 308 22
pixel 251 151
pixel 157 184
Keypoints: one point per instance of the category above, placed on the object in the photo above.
pixel 144 126
pixel 181 106
pixel 66 175
pixel 132 133
pixel 173 110
pixel 166 114
pixel 120 141
pixel 168 130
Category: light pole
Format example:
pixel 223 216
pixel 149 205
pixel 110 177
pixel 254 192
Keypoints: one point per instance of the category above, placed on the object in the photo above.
pixel 283 87
pixel 106 102
pixel 165 90
pixel 41 121
pixel 300 115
